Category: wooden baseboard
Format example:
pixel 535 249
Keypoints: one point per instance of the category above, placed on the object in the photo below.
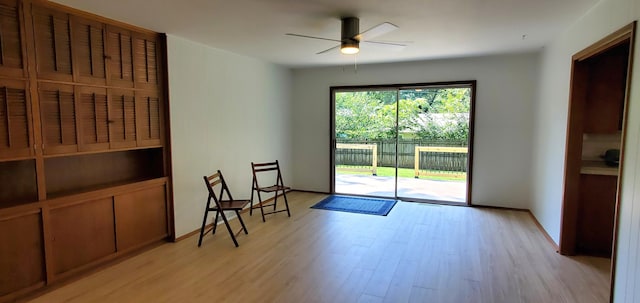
pixel 500 207
pixel 544 232
pixel 311 191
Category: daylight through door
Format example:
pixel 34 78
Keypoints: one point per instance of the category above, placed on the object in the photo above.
pixel 406 142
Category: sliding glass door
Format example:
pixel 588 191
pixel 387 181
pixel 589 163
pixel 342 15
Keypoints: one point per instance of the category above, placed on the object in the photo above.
pixel 406 142
pixel 365 142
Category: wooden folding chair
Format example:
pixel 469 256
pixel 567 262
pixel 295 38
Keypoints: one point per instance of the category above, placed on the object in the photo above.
pixel 268 168
pixel 220 206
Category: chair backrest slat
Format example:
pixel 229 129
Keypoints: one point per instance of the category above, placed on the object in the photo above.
pixel 213 181
pixel 266 167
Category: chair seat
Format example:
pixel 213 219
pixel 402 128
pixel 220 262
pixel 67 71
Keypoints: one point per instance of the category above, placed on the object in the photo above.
pixel 233 204
pixel 273 188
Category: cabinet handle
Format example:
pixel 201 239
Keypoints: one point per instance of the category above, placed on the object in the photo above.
pixel 107 57
pixel 111 121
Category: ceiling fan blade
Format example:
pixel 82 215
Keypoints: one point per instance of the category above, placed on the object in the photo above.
pixel 386 45
pixel 376 31
pixel 328 50
pixel 311 37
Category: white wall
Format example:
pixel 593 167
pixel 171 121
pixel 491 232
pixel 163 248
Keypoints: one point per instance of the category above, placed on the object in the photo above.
pixel 605 18
pixel 504 119
pixel 226 111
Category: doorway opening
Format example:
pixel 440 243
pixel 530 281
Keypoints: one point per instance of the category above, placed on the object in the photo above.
pixel 409 142
pixel 596 130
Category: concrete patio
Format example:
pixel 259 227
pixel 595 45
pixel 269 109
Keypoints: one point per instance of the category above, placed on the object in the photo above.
pixel 451 191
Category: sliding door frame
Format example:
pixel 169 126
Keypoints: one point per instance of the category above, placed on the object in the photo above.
pixel 398 87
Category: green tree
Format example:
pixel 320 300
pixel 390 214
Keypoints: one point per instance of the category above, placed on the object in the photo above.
pixel 434 114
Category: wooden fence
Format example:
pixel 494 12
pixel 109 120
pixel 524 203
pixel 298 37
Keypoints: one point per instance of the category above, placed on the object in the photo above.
pixel 360 151
pixel 386 149
pixel 449 169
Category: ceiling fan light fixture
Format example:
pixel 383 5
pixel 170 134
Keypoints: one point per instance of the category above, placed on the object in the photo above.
pixel 349 48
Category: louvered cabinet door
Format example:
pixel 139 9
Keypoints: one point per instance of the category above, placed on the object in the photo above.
pixel 88 50
pixel 93 118
pixel 58 116
pixel 148 118
pixel 145 58
pixel 11 43
pixel 120 57
pixel 52 31
pixel 122 118
pixel 15 135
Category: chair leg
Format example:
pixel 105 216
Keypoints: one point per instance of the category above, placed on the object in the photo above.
pixel 242 222
pixel 261 208
pixel 204 223
pixel 233 237
pixel 286 203
pixel 251 203
pixel 275 201
pixel 215 223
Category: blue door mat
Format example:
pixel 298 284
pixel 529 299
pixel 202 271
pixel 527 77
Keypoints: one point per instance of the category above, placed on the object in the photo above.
pixel 369 206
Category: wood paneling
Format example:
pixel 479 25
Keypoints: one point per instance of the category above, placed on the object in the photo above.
pixel 89 50
pixel 21 253
pixel 53 43
pixel 93 118
pixel 141 217
pixel 11 52
pixel 15 137
pixel 81 233
pixel 58 112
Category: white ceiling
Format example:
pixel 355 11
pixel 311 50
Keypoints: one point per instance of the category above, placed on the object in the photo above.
pixel 435 28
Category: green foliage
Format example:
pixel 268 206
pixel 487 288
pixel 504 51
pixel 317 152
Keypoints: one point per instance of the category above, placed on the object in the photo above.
pixel 432 114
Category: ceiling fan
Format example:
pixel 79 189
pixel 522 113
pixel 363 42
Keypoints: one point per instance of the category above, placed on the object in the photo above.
pixel 351 37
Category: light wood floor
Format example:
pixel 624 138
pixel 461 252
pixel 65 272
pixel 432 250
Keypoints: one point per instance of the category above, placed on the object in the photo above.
pixel 419 253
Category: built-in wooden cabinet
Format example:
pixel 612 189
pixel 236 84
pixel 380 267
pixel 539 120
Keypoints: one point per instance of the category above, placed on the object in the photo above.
pixel 122 118
pixel 52 35
pixel 606 88
pixel 15 116
pixel 58 114
pixel 141 217
pixel 84 175
pixel 22 263
pixel 596 214
pixel 89 50
pixel 81 233
pixel 120 56
pixel 11 39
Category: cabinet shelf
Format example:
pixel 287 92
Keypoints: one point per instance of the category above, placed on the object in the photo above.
pixel 82 173
pixel 17 183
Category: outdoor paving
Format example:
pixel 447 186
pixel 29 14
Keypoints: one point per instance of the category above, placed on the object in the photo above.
pixel 452 191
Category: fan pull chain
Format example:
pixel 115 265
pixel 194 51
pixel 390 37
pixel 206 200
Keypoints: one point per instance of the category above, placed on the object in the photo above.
pixel 355 64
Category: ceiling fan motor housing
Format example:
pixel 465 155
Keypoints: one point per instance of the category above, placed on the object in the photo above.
pixel 350 30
